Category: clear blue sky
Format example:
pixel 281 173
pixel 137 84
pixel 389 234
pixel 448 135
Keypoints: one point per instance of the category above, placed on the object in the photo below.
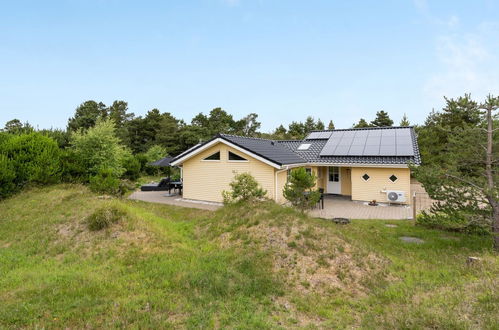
pixel 284 60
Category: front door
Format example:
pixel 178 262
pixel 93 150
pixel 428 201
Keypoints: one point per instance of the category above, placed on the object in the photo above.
pixel 334 180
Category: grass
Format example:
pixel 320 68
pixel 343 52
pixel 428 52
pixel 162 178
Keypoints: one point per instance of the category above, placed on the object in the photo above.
pixel 243 266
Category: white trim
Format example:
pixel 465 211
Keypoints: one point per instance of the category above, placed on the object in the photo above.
pixel 396 178
pixel 220 140
pixel 213 160
pixel 244 160
pixel 347 165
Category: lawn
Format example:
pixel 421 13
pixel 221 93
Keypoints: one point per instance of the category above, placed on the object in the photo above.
pixel 246 266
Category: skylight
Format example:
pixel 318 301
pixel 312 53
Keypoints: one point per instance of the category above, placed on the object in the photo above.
pixel 304 146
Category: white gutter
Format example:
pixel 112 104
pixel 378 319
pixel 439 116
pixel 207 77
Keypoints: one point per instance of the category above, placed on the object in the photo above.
pixel 275 181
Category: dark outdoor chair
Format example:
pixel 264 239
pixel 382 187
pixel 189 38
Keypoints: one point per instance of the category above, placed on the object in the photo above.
pixel 163 185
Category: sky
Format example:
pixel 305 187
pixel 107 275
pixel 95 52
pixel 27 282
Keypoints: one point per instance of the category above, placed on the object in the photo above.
pixel 285 60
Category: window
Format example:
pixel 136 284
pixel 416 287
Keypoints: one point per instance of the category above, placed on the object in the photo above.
pixel 334 174
pixel 366 177
pixel 215 156
pixel 393 178
pixel 308 170
pixel 234 157
pixel 304 146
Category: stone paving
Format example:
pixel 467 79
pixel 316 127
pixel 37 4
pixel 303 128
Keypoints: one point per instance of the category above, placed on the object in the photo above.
pixel 334 206
pixel 163 197
pixel 343 207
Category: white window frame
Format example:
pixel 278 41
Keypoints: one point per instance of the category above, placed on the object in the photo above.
pixel 391 180
pixel 362 177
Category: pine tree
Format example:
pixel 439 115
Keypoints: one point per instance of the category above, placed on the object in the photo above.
pixel 382 119
pixel 361 124
pixel 404 122
pixel 330 125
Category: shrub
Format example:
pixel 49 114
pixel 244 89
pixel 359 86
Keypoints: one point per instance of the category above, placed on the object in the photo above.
pixel 106 182
pixel 153 154
pixel 299 189
pixel 132 167
pixel 98 148
pixel 244 187
pixel 104 217
pixel 7 176
pixel 36 158
pixel 457 221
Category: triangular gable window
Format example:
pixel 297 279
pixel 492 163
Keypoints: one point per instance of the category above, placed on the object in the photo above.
pixel 233 156
pixel 215 156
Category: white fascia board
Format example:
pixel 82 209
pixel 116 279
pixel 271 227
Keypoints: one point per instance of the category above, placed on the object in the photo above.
pixel 347 165
pixel 220 140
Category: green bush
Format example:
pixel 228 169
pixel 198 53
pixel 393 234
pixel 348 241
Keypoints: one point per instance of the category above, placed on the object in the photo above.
pixel 244 187
pixel 98 148
pixel 153 154
pixel 299 189
pixel 7 176
pixel 104 217
pixel 106 182
pixel 132 167
pixel 458 222
pixel 36 158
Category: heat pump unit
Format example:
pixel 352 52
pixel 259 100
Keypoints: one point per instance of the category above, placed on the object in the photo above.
pixel 395 196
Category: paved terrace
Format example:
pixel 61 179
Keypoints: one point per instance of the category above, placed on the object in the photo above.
pixel 334 206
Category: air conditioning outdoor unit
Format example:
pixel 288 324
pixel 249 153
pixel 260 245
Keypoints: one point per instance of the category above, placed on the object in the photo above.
pixel 395 196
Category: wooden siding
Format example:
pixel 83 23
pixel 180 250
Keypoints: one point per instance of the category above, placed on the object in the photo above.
pixel 205 180
pixel 379 181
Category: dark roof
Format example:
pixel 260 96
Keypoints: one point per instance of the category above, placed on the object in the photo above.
pixel 268 149
pixel 162 162
pixel 286 152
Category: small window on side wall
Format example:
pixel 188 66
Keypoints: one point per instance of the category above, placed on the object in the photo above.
pixel 235 157
pixel 215 156
pixel 393 178
pixel 366 177
pixel 308 170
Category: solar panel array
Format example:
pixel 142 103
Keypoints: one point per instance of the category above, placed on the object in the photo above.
pixel 319 135
pixel 370 142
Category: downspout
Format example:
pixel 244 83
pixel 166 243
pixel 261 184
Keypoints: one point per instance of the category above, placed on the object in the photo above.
pixel 275 181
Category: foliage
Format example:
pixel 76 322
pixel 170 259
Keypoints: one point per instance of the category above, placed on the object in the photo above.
pixel 452 220
pixel 106 182
pixel 299 189
pixel 434 136
pixel 105 216
pixel 99 148
pixel 382 119
pixel 153 154
pixel 459 180
pixel 36 158
pixel 15 126
pixel 7 176
pixel 244 188
pixel 330 125
pixel 361 124
pixel 86 115
pixel 132 167
pixel 404 122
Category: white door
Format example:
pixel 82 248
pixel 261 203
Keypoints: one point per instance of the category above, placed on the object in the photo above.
pixel 333 180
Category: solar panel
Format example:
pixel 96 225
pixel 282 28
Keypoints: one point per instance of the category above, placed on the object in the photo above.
pixel 370 142
pixel 341 150
pixel 319 135
pixel 370 150
pixel 387 150
pixel 356 150
pixel 405 150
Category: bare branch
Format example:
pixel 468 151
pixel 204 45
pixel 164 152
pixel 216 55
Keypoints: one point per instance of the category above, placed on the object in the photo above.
pixel 465 181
